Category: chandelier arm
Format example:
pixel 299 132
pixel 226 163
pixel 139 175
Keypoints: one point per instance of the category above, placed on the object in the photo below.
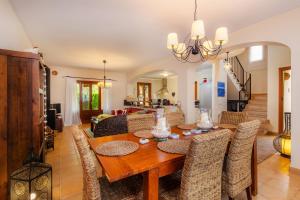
pixel 195 11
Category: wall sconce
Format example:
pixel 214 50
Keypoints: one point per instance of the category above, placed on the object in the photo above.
pixel 32 181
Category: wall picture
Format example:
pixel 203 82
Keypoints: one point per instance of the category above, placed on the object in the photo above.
pixel 221 89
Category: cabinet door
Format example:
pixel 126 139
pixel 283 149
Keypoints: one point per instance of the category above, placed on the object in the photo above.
pixel 23 107
pixel 3 127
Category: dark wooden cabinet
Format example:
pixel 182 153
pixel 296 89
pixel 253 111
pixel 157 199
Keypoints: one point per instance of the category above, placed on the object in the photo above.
pixel 21 111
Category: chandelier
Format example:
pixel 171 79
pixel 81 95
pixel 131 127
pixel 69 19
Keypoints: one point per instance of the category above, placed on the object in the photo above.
pixel 105 82
pixel 196 47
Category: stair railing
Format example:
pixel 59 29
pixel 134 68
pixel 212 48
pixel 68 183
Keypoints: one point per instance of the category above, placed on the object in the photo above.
pixel 243 78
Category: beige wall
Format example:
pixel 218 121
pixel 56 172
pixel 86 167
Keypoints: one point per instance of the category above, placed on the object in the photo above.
pixel 278 56
pixel 173 87
pixel 58 89
pixel 12 35
pixel 156 85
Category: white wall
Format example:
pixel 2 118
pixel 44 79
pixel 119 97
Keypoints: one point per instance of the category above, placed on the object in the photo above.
pixel 283 29
pixel 12 35
pixel 258 70
pixel 58 90
pixel 205 89
pixel 278 56
pixel 219 104
pixel 173 87
pixel 287 94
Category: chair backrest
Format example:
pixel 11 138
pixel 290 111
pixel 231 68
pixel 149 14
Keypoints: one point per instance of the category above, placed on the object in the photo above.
pixel 111 126
pixel 175 118
pixel 233 117
pixel 91 186
pixel 202 171
pixel 238 162
pixel 137 122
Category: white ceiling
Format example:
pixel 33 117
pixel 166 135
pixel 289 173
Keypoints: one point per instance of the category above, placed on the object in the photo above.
pixel 128 33
pixel 158 74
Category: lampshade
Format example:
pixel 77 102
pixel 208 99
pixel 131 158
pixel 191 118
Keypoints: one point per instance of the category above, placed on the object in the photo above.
pixel 33 181
pixel 172 40
pixel 221 35
pixel 180 49
pixel 197 31
pixel 208 46
pixel 105 84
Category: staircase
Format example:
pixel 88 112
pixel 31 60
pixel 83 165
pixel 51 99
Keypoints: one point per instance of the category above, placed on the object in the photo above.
pixel 241 80
pixel 254 104
pixel 257 109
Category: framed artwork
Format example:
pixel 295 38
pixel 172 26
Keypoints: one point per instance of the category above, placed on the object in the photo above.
pixel 221 89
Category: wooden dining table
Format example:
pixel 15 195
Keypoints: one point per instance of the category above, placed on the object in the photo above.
pixel 149 161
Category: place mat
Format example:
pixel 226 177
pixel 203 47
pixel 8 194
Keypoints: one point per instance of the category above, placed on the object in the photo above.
pixel 228 126
pixel 187 126
pixel 117 148
pixel 175 146
pixel 143 134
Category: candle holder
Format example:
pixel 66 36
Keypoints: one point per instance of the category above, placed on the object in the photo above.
pixel 32 181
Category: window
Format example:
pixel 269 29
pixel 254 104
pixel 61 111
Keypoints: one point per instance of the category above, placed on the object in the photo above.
pixel 256 53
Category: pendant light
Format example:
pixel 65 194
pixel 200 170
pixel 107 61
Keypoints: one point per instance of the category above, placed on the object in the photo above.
pixel 196 47
pixel 105 83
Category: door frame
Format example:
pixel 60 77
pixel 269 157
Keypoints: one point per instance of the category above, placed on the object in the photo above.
pixel 281 97
pixel 149 88
pixel 92 112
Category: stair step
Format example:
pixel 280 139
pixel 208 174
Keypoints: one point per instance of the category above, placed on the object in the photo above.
pixel 257 114
pixel 260 96
pixel 250 118
pixel 256 107
pixel 258 102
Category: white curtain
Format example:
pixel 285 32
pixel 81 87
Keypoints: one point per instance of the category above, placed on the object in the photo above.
pixel 72 112
pixel 107 100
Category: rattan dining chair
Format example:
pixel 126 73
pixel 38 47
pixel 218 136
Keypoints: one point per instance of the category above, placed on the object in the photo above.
pixel 99 188
pixel 235 118
pixel 237 169
pixel 175 118
pixel 202 172
pixel 137 122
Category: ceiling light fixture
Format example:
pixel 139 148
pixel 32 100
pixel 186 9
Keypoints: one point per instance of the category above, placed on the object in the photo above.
pixel 165 74
pixel 197 47
pixel 227 65
pixel 105 82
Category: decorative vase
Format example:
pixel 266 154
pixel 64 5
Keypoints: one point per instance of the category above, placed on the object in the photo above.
pixel 282 143
pixel 162 130
pixel 205 120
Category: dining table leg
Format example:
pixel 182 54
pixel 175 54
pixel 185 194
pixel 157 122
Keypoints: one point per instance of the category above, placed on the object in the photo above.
pixel 151 184
pixel 254 169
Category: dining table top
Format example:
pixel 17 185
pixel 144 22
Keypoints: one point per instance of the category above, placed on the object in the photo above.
pixel 147 157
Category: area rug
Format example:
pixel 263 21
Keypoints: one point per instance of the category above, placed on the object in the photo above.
pixel 265 147
pixel 88 132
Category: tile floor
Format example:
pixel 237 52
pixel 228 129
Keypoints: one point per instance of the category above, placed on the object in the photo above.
pixel 275 181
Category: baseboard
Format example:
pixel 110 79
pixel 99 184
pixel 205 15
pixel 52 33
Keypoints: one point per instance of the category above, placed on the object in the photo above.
pixel 295 171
